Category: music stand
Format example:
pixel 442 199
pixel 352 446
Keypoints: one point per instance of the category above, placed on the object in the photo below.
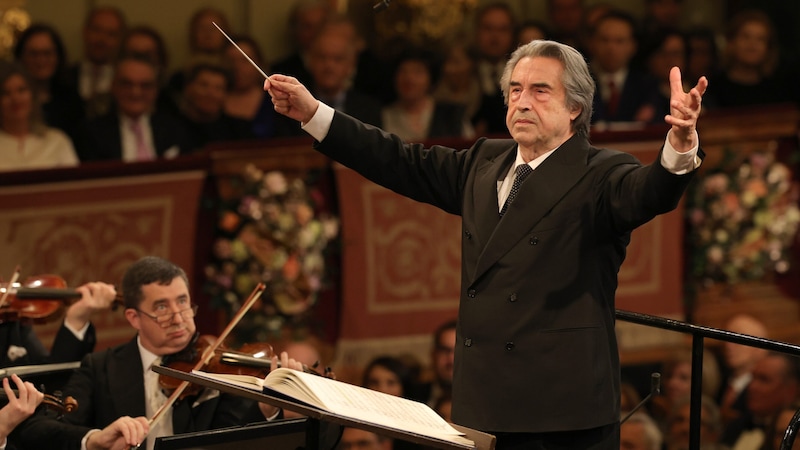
pixel 290 433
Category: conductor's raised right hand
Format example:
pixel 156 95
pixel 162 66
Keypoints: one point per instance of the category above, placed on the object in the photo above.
pixel 291 98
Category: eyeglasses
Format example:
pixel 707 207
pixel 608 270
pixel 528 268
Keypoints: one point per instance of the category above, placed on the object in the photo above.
pixel 164 320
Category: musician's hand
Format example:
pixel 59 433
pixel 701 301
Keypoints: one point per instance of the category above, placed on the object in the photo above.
pixel 291 363
pixel 20 405
pixel 121 434
pixel 95 297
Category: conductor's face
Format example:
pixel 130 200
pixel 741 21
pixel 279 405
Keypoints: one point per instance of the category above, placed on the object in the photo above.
pixel 538 117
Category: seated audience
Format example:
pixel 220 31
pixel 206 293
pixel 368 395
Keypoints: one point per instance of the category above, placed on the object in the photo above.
pixel 41 52
pixel 458 83
pixel 738 361
pixel 26 141
pixel 779 427
pixel 530 30
pixel 205 43
pixel 115 389
pixel 357 439
pixel 145 42
pixel 678 421
pixel 204 92
pixel 442 360
pixel 639 432
pixel 677 383
pixel 135 130
pixel 565 18
pixel 392 376
pixel 663 50
pixel 306 19
pixel 416 116
pixel 702 56
pixel 246 99
pixel 750 74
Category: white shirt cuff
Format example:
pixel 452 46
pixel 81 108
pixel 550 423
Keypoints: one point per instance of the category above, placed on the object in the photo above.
pixel 320 123
pixel 86 437
pixel 80 334
pixel 3 445
pixel 680 163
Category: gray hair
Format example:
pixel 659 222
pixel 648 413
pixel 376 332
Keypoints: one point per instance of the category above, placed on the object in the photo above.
pixel 652 433
pixel 578 82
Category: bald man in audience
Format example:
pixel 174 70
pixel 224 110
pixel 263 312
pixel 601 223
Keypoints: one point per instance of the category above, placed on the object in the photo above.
pixel 739 361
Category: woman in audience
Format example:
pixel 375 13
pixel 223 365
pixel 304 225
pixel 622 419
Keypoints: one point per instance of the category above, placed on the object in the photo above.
pixel 246 98
pixel 663 50
pixel 459 83
pixel 750 73
pixel 26 141
pixel 40 51
pixel 677 383
pixel 392 376
pixel 416 116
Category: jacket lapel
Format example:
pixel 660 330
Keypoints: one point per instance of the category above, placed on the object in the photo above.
pixel 125 380
pixel 540 192
pixel 488 173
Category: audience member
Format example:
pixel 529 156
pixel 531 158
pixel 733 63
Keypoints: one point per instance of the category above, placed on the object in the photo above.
pixel 21 405
pixel 135 130
pixel 444 407
pixel 115 388
pixel 332 63
pixel 565 20
pixel 206 87
pixel 678 425
pixel 775 386
pixel 442 361
pixel 621 88
pixel 205 43
pixel 662 50
pixel 702 56
pixel 246 99
pixel 660 14
pixel 591 15
pixel 305 21
pixel 458 82
pixel 41 52
pixel 304 352
pixel 494 41
pixel 639 432
pixel 92 77
pixel 416 116
pixel 392 376
pixel 145 42
pixel 357 439
pixel 628 397
pixel 750 74
pixel 677 383
pixel 779 427
pixel 739 361
pixel 530 30
pixel 26 141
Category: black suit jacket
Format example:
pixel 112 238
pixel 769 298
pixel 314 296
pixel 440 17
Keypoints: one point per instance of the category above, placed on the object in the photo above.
pixel 66 347
pixel 109 385
pixel 536 349
pixel 638 89
pixel 101 138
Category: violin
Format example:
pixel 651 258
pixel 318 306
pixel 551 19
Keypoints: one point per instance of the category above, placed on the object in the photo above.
pixel 38 299
pixel 53 402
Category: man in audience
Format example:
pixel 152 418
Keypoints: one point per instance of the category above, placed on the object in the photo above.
pixel 677 426
pixel 621 88
pixel 117 392
pixel 102 35
pixel 135 130
pixel 639 432
pixel 775 385
pixel 739 361
pixel 566 19
pixel 442 360
pixel 207 85
pixel 332 63
pixel 305 21
pixel 494 41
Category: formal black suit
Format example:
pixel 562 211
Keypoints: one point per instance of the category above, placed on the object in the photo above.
pixel 638 89
pixel 101 138
pixel 66 347
pixel 536 349
pixel 109 385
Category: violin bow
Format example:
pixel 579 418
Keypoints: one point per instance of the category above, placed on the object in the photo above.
pixel 14 279
pixel 207 355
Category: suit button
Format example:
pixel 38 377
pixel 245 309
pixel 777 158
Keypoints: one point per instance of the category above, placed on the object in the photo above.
pixel 534 240
pixel 509 346
pixel 467 342
pixel 472 293
pixel 512 297
pixel 468 234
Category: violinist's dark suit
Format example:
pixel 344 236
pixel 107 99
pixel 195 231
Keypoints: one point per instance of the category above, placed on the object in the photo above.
pixel 110 385
pixel 66 347
pixel 536 350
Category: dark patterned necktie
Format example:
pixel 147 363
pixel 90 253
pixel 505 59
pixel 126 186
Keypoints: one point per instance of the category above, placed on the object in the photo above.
pixel 523 170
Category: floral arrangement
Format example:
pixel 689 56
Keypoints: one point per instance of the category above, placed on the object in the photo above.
pixel 743 219
pixel 272 234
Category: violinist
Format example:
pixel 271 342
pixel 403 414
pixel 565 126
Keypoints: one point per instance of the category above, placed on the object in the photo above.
pixel 20 406
pixel 75 338
pixel 115 388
